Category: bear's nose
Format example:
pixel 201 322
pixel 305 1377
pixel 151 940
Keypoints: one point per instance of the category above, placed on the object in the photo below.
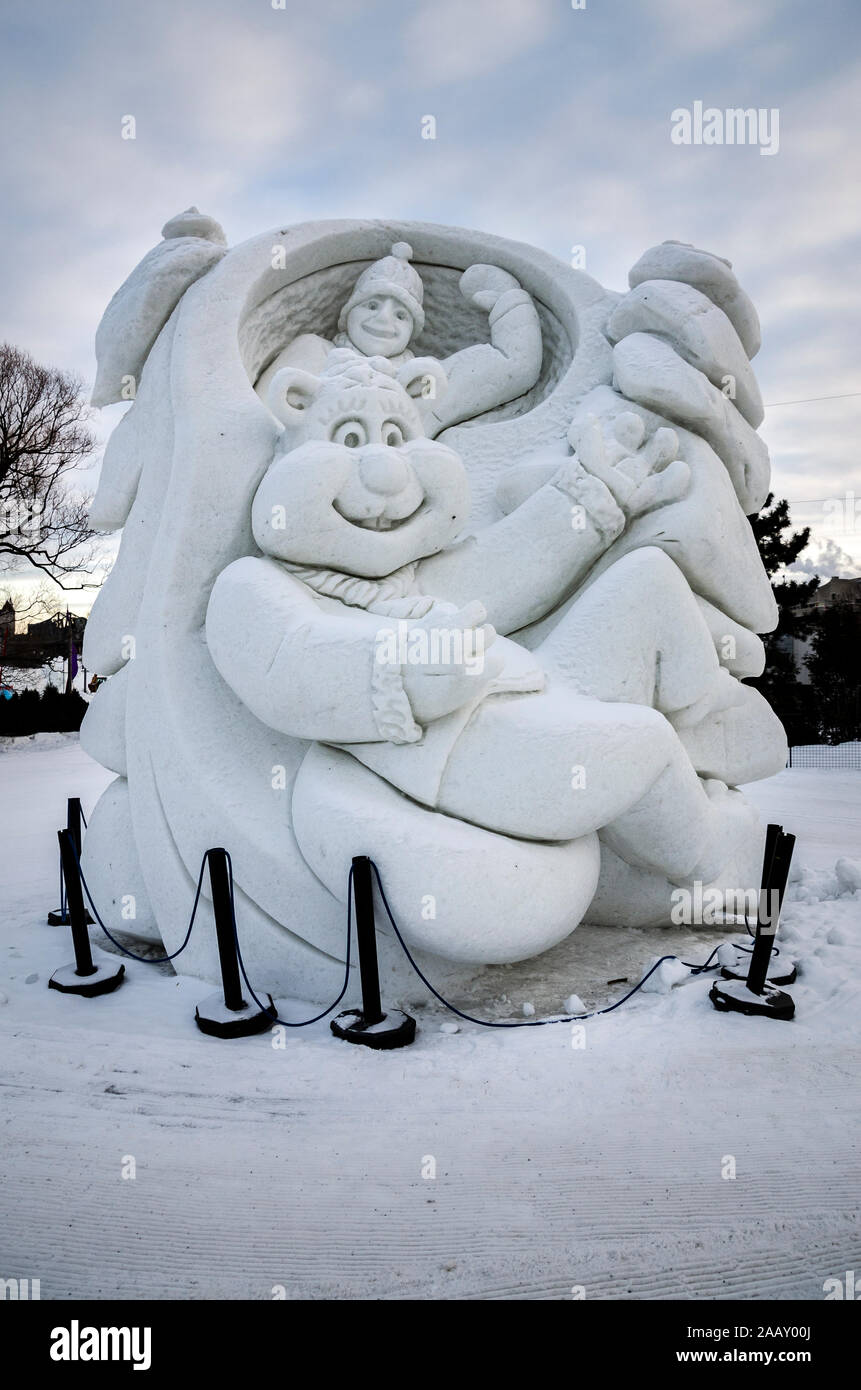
pixel 382 471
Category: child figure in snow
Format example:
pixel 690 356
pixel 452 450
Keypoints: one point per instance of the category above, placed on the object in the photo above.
pixel 357 518
pixel 385 313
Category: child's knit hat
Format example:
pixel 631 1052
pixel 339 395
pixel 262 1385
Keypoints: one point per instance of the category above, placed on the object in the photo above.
pixel 392 275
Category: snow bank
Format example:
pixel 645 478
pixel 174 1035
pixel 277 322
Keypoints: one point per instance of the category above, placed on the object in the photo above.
pixel 41 741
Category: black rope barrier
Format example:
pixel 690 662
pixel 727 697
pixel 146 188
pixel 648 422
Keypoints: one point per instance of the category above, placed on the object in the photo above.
pixel 370 1025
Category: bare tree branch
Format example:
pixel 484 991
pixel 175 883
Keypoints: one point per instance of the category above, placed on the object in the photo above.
pixel 44 437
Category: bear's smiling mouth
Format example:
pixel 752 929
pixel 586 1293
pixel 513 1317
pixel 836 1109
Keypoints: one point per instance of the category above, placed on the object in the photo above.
pixel 382 522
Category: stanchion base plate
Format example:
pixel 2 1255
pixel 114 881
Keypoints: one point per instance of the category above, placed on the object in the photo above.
pixel 213 1017
pixel 780 971
pixel 108 975
pixel 395 1029
pixel 60 919
pixel 734 996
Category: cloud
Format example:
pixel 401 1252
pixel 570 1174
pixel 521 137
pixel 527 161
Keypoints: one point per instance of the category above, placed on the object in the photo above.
pixel 450 41
pixel 826 561
pixel 693 29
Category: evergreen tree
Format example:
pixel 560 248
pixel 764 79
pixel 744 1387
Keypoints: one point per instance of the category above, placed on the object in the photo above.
pixel 769 524
pixel 779 546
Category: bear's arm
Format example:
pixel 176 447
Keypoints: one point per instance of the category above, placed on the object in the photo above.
pixel 300 669
pixel 521 567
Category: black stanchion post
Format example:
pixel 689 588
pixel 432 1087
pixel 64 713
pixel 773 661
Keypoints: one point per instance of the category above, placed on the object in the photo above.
pixel 220 886
pixel 772 835
pixel 370 1026
pixel 73 822
pixel 757 994
pixel 766 930
pixel 366 938
pixel 780 971
pixel 84 977
pixel 227 1014
pixel 73 825
pixel 75 905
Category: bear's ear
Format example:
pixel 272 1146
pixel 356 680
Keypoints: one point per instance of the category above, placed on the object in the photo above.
pixel 290 392
pixel 423 378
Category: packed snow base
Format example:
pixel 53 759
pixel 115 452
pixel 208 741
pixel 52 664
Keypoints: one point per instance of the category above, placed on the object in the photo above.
pixel 477 1163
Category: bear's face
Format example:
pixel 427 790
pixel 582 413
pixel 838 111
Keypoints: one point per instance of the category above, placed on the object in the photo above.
pixel 356 486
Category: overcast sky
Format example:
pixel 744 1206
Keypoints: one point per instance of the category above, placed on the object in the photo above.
pixel 553 127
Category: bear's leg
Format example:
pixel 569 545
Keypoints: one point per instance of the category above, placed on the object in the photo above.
pixel 555 766
pixel 637 634
pixel 657 834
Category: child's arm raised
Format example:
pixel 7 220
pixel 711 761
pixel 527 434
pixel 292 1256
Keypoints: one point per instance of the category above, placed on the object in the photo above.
pixel 489 374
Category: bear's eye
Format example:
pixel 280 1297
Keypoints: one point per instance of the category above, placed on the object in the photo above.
pixel 352 434
pixel 392 434
pixel 401 314
pixel 372 304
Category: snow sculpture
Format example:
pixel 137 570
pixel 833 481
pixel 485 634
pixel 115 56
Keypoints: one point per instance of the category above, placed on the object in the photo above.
pixel 385 310
pixel 433 550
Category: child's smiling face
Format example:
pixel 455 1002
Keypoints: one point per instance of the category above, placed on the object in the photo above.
pixel 380 326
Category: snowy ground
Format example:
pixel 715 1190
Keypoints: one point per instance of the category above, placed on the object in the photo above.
pixel 555 1166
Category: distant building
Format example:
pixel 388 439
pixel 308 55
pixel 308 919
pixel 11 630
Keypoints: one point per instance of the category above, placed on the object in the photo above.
pixel 7 618
pixel 833 591
pixel 48 630
pixel 56 629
